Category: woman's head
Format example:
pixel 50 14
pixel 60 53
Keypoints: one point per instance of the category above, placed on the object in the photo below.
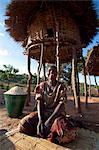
pixel 52 72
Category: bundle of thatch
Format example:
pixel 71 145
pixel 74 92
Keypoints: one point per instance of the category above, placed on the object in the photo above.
pixel 75 22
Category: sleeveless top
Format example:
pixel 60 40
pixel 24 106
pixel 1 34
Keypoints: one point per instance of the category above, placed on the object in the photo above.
pixel 51 96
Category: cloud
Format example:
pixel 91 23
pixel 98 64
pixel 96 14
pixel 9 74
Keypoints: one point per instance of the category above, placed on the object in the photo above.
pixel 1 24
pixel 1 34
pixel 4 53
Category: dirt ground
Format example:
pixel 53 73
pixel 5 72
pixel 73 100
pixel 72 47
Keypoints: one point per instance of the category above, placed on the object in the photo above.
pixel 89 117
pixel 87 139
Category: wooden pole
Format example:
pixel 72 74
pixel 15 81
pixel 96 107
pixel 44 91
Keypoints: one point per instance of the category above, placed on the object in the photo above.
pixel 44 71
pixel 41 58
pixel 85 82
pixel 57 55
pixel 38 74
pixel 29 80
pixel 89 85
pixel 96 84
pixel 74 80
pixel 78 91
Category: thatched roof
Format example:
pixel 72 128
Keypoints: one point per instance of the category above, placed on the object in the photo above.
pixel 77 23
pixel 92 62
pixel 20 13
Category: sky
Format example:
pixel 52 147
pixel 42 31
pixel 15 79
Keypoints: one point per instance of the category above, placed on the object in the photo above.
pixel 11 52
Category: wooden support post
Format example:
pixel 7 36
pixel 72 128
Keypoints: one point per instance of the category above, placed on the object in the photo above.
pixel 89 90
pixel 38 74
pixel 29 80
pixel 78 91
pixel 96 84
pixel 41 58
pixel 74 80
pixel 44 71
pixel 85 83
pixel 57 55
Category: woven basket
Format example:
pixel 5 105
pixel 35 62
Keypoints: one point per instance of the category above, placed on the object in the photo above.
pixel 53 18
pixel 49 21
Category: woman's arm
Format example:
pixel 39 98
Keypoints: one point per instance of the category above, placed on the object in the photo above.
pixel 54 115
pixel 40 109
pixel 40 126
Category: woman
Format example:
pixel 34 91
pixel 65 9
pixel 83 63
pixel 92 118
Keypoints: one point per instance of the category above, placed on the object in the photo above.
pixel 49 121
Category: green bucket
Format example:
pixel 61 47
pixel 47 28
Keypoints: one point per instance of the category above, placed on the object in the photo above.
pixel 14 104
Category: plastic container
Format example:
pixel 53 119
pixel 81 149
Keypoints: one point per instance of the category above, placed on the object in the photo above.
pixel 14 102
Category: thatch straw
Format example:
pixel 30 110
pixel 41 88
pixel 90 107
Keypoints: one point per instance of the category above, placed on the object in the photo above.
pixel 92 62
pixel 21 12
pixel 76 22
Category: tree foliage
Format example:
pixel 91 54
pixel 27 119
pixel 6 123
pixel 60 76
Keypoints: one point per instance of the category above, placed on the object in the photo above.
pixel 9 72
pixel 65 73
pixel 9 75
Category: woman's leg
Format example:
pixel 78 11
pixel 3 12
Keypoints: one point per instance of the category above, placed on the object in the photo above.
pixel 28 124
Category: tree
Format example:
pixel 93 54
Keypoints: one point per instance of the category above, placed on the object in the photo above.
pixel 65 73
pixel 9 73
pixel 34 80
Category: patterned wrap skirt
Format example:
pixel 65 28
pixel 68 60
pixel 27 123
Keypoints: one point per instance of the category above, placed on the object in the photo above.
pixel 61 131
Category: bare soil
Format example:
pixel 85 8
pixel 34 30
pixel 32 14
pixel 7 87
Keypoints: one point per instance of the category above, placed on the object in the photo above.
pixel 90 115
pixel 89 118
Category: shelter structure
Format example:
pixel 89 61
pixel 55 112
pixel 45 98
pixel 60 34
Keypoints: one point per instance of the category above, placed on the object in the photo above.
pixel 92 65
pixel 53 32
pixel 92 62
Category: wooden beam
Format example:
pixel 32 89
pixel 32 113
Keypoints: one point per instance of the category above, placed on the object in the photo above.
pixel 44 67
pixel 74 80
pixel 96 84
pixel 29 80
pixel 41 58
pixel 89 86
pixel 78 92
pixel 57 55
pixel 85 82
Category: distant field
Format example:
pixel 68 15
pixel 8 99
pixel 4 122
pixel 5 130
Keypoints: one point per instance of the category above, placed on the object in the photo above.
pixel 4 85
